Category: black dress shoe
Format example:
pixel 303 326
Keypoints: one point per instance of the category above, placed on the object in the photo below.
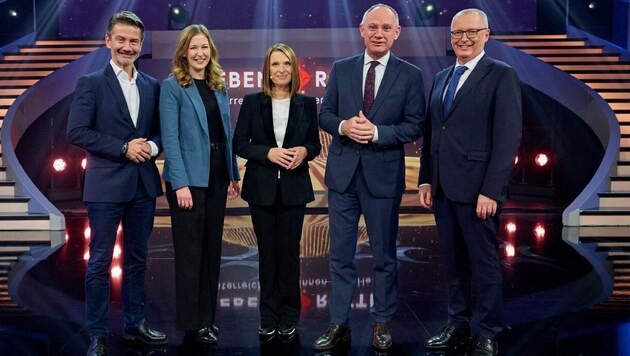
pixel 98 347
pixel 334 334
pixel 266 335
pixel 449 337
pixel 144 334
pixel 207 336
pixel 381 338
pixel 287 334
pixel 485 347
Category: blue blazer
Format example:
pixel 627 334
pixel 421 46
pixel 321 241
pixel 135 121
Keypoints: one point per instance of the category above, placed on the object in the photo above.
pixel 471 149
pixel 186 138
pixel 100 123
pixel 398 113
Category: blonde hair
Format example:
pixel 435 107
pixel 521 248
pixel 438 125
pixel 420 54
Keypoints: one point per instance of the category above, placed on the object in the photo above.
pixel 295 71
pixel 179 65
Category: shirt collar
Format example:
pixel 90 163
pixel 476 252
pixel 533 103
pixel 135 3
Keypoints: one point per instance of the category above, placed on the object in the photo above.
pixel 383 60
pixel 471 64
pixel 120 73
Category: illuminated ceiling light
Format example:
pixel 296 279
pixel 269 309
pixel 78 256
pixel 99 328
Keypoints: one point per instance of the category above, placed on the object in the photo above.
pixel 510 251
pixel 510 227
pixel 59 165
pixel 539 231
pixel 541 159
pixel 177 18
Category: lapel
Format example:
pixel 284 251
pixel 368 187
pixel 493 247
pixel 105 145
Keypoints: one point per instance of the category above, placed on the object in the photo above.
pixel 480 71
pixel 266 119
pixel 224 109
pixel 143 94
pixel 114 85
pixel 295 115
pixel 357 82
pixel 438 92
pixel 193 94
pixel 389 78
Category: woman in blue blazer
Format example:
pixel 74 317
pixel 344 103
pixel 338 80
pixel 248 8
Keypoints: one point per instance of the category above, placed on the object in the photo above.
pixel 277 132
pixel 200 171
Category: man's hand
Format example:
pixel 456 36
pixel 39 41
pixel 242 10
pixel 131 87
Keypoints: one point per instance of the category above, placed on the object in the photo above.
pixel 486 207
pixel 424 196
pixel 358 129
pixel 138 150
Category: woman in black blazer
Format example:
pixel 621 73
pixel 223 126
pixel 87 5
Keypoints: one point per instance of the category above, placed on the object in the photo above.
pixel 277 132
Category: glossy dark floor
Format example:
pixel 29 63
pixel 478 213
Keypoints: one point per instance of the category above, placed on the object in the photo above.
pixel 549 281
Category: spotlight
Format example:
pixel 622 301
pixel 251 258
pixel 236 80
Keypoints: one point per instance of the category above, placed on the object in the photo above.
pixel 541 159
pixel 539 231
pixel 427 14
pixel 86 255
pixel 510 251
pixel 177 18
pixel 117 251
pixel 59 165
pixel 510 227
pixel 515 160
pixel 87 232
pixel 13 13
pixel 116 272
pixel 84 163
pixel 592 5
pixel 119 229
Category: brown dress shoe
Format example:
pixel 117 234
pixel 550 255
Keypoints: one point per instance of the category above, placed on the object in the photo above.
pixel 334 334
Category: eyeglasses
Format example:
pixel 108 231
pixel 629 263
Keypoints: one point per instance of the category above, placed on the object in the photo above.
pixel 472 33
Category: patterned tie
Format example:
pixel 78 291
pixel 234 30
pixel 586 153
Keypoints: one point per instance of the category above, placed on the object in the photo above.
pixel 452 86
pixel 368 92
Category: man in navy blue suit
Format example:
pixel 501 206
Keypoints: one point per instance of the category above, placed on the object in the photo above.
pixel 114 117
pixel 373 105
pixel 472 137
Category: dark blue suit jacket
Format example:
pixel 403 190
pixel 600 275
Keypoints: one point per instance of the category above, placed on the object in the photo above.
pixel 398 113
pixel 471 149
pixel 100 123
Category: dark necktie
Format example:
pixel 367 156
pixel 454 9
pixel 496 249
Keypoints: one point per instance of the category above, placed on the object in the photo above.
pixel 368 91
pixel 452 86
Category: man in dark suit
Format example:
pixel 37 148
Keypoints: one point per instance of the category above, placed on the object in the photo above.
pixel 114 117
pixel 373 105
pixel 472 137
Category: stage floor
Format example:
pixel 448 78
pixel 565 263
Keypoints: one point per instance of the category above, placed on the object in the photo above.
pixel 548 282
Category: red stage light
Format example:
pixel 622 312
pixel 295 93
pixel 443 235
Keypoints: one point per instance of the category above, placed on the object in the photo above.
pixel 84 163
pixel 117 251
pixel 510 251
pixel 116 272
pixel 510 227
pixel 66 237
pixel 119 229
pixel 539 231
pixel 86 255
pixel 87 232
pixel 59 165
pixel 541 159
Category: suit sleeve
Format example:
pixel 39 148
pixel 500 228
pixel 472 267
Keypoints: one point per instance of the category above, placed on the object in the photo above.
pixel 169 123
pixel 426 175
pixel 409 128
pixel 507 129
pixel 243 144
pixel 313 145
pixel 329 119
pixel 236 174
pixel 81 130
pixel 156 135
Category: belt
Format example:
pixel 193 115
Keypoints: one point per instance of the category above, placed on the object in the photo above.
pixel 217 146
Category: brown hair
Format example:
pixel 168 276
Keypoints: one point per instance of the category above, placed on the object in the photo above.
pixel 295 71
pixel 179 65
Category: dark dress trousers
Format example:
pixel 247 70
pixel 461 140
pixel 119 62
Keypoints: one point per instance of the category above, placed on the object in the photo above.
pixel 277 202
pixel 368 179
pixel 115 189
pixel 466 152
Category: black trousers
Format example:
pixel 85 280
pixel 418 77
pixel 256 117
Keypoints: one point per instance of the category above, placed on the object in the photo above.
pixel 278 231
pixel 197 239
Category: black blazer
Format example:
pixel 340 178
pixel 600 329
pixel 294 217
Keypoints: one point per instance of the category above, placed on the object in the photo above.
pixel 254 137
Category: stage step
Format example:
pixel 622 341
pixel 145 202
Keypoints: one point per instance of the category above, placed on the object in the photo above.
pixel 600 75
pixel 41 57
pixel 57 49
pixel 62 43
pixel 615 200
pixel 546 43
pixel 591 67
pixel 605 217
pixel 568 58
pixel 31 65
pixel 563 51
pixel 25 74
pixel 620 183
pixel 623 168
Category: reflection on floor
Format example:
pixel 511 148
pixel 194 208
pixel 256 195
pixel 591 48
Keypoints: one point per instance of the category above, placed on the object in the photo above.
pixel 547 281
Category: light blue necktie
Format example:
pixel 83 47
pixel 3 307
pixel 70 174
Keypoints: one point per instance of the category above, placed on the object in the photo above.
pixel 452 87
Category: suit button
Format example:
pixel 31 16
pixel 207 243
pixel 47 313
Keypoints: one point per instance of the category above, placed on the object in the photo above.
pixel 358 152
pixel 444 127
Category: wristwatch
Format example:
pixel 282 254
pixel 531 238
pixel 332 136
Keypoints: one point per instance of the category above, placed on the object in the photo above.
pixel 123 149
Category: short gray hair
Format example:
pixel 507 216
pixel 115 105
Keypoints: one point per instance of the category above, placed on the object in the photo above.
pixel 484 17
pixel 373 7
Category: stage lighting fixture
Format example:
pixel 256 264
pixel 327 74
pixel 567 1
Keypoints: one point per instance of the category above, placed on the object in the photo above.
pixel 541 159
pixel 539 231
pixel 117 251
pixel 119 229
pixel 116 272
pixel 86 255
pixel 59 165
pixel 510 227
pixel 510 251
pixel 13 13
pixel 515 160
pixel 67 237
pixel 427 13
pixel 592 5
pixel 87 232
pixel 177 18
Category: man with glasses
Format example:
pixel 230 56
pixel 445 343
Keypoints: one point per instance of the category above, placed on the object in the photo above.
pixel 373 105
pixel 474 131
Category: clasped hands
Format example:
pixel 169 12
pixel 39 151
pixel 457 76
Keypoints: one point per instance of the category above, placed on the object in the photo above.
pixel 287 158
pixel 138 150
pixel 359 129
